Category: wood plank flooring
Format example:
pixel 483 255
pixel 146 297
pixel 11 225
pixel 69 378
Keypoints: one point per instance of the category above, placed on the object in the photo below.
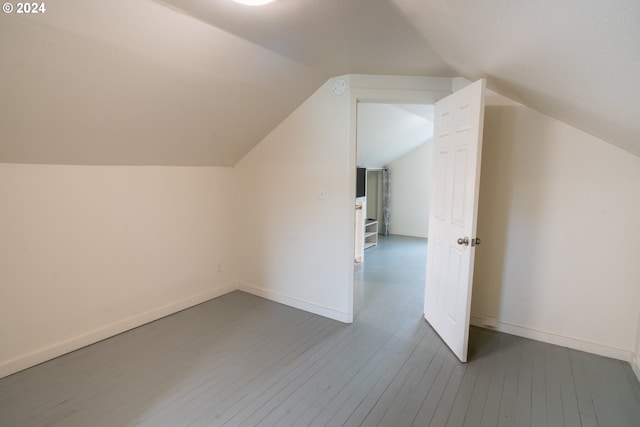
pixel 240 360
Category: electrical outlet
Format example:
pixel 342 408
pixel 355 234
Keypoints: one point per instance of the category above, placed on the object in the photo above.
pixel 219 267
pixel 322 194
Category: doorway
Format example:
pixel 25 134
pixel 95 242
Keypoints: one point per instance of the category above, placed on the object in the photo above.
pixel 455 179
pixel 393 140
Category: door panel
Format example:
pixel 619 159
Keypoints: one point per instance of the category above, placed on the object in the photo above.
pixel 459 183
pixel 441 160
pixel 457 144
pixel 455 263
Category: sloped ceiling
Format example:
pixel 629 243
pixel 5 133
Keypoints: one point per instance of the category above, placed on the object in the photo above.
pixel 200 82
pixel 387 132
pixel 121 82
pixel 575 60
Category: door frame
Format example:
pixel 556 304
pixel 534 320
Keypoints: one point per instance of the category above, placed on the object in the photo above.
pixel 407 90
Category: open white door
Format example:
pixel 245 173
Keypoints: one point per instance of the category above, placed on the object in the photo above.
pixel 457 151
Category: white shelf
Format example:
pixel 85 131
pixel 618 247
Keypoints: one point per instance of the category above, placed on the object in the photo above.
pixel 370 232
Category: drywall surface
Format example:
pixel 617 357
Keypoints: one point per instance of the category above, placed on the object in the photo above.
pixel 295 194
pixel 638 339
pixel 295 209
pixel 388 131
pixel 410 179
pixel 518 46
pixel 90 251
pixel 558 217
pixel 105 83
pixel 635 360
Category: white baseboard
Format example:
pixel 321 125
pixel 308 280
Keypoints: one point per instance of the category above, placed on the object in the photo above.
pixel 409 233
pixel 635 364
pixel 320 310
pixel 573 343
pixel 54 350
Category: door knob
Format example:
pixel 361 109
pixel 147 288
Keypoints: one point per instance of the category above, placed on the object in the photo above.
pixel 463 241
pixel 475 242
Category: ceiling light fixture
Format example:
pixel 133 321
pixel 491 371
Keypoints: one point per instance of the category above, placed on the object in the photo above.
pixel 253 2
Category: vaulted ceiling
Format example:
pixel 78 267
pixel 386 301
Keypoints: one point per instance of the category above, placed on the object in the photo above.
pixel 200 82
pixel 387 132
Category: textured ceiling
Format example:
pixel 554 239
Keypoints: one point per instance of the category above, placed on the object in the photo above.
pixel 195 82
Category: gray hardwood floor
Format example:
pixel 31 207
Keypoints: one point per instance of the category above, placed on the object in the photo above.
pixel 240 360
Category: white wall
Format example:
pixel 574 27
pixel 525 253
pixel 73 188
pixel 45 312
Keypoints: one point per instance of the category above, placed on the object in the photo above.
pixel 295 248
pixel 558 220
pixel 410 181
pixel 90 251
pixel 635 362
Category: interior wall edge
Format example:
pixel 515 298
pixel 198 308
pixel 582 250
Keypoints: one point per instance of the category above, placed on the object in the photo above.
pixel 635 364
pixel 44 354
pixel 320 310
pixel 492 323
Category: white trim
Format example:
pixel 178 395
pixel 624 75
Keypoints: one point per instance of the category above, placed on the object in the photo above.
pixel 488 322
pixel 634 360
pixel 298 303
pixel 409 233
pixel 54 350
